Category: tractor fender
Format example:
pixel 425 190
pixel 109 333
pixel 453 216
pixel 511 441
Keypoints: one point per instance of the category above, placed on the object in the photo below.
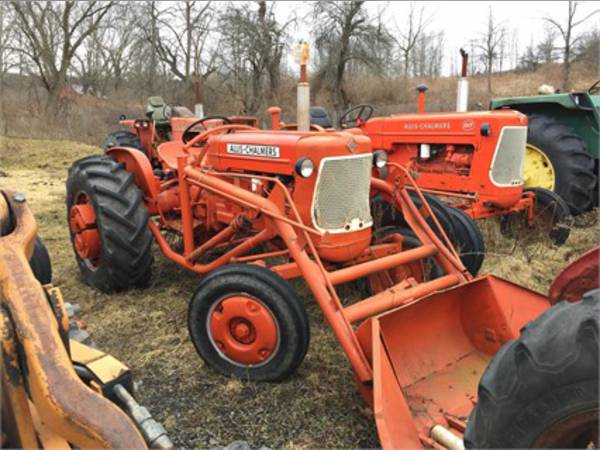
pixel 138 164
pixel 577 278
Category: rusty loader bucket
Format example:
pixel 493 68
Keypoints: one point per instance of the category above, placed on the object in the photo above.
pixel 428 356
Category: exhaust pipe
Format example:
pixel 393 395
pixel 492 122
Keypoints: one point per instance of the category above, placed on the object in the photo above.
pixel 421 89
pixel 462 95
pixel 303 102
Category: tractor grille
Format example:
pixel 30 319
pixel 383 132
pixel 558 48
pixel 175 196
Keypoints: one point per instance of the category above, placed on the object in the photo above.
pixel 509 158
pixel 341 199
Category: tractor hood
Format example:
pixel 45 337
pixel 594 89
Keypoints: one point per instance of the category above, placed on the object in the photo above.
pixel 278 152
pixel 438 127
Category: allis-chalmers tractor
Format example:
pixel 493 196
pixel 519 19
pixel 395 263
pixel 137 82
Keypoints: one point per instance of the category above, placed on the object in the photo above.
pixel 256 208
pixel 57 393
pixel 474 160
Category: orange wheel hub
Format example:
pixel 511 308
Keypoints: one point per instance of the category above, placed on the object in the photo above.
pixel 82 221
pixel 243 330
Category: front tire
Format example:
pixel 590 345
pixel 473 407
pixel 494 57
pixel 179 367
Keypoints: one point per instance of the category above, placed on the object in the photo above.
pixel 109 225
pixel 468 240
pixel 246 321
pixel 541 390
pixel 561 160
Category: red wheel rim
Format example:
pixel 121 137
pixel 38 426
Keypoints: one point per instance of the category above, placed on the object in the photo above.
pixel 243 330
pixel 82 222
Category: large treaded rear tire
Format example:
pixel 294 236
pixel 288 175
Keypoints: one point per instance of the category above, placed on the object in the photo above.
pixel 123 139
pixel 573 165
pixel 550 373
pixel 122 222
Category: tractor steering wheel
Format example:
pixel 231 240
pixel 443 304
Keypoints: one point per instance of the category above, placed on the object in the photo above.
pixel 188 134
pixel 356 116
pixel 595 88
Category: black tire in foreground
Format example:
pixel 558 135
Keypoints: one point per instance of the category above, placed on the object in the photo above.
pixel 125 257
pixel 468 240
pixel 40 262
pixel 123 139
pixel 275 316
pixel 575 180
pixel 541 390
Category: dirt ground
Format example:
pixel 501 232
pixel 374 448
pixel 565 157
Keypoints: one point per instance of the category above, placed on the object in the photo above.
pixel 318 407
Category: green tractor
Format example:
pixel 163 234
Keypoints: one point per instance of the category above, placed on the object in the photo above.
pixel 563 143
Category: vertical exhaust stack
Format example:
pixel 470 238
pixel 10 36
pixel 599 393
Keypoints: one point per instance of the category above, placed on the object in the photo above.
pixel 303 108
pixel 421 89
pixel 462 95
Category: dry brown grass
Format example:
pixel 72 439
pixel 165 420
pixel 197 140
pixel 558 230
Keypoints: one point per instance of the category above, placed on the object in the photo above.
pixel 318 407
pixel 88 119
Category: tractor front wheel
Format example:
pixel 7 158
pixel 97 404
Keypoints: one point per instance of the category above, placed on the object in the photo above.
pixel 246 321
pixel 468 239
pixel 109 225
pixel 558 160
pixel 541 390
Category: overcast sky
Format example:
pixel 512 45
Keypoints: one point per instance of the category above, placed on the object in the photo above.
pixel 465 20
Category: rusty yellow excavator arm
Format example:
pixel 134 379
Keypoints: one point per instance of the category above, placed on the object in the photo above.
pixel 44 401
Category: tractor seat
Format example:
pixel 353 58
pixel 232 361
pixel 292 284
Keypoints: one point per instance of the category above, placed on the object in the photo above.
pixel 319 116
pixel 158 111
pixel 168 152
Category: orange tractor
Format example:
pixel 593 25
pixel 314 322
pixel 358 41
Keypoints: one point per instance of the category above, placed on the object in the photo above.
pixel 474 160
pixel 256 208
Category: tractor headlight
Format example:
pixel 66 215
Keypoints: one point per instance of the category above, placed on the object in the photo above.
pixel 305 167
pixel 380 158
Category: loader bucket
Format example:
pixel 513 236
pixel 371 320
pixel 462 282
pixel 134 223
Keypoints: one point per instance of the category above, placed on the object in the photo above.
pixel 429 355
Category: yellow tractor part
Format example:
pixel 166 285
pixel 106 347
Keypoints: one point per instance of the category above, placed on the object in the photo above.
pixel 45 402
pixel 539 171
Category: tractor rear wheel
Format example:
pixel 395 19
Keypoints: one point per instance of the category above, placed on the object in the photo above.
pixel 468 239
pixel 557 159
pixel 109 225
pixel 541 390
pixel 248 322
pixel 123 139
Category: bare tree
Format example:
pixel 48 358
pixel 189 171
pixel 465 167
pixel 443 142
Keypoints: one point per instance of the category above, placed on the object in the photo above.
pixel 569 37
pixel 428 55
pixel 546 48
pixel 489 46
pixel 409 34
pixel 588 50
pixel 180 36
pixel 252 46
pixel 7 37
pixel 52 34
pixel 120 40
pixel 346 33
pixel 91 64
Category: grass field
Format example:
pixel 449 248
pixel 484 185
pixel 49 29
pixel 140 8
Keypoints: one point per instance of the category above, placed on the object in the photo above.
pixel 317 407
